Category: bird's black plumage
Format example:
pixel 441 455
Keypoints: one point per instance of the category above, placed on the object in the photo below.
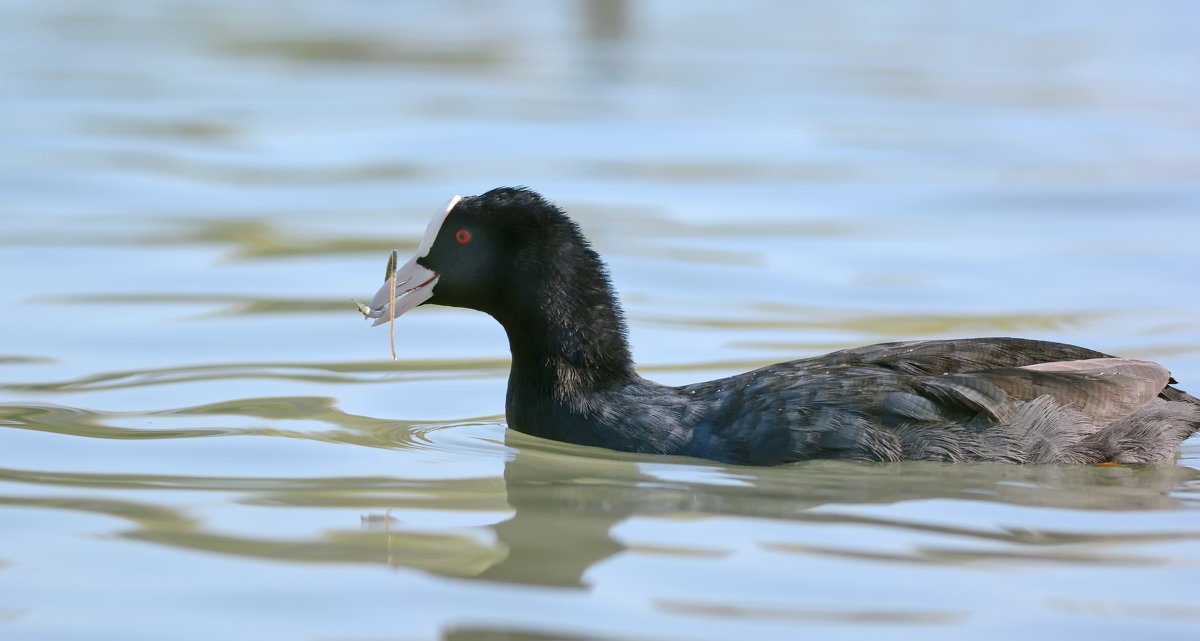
pixel 514 255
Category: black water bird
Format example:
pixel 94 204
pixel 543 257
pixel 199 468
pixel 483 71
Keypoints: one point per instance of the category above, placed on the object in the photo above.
pixel 512 254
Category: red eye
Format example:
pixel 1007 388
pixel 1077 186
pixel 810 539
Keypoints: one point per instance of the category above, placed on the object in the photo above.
pixel 462 236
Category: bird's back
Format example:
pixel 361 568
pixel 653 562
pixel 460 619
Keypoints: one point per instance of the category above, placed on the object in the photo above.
pixel 992 399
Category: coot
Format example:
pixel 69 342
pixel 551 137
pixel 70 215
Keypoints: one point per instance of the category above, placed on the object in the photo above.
pixel 512 254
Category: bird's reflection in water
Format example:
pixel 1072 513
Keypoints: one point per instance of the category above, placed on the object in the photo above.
pixel 566 501
pixel 557 506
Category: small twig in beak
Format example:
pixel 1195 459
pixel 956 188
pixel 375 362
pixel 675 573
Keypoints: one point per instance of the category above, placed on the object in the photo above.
pixel 391 269
pixel 391 266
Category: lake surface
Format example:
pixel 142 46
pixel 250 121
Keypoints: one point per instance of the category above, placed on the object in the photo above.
pixel 201 439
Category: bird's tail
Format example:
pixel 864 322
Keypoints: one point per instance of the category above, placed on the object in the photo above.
pixel 1149 434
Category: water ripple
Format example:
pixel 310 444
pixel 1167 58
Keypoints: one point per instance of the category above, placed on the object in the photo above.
pixel 345 372
pixel 73 421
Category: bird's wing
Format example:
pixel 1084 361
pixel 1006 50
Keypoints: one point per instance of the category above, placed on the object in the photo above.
pixel 952 356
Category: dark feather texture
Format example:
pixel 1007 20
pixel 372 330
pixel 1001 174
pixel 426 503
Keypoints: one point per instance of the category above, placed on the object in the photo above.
pixel 978 399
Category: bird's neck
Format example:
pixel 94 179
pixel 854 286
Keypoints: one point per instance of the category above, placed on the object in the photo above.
pixel 563 372
pixel 569 347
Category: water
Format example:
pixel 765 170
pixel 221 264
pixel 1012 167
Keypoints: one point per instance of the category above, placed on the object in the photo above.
pixel 200 438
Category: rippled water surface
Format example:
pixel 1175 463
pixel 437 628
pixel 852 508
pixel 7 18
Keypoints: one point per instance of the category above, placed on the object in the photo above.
pixel 200 438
